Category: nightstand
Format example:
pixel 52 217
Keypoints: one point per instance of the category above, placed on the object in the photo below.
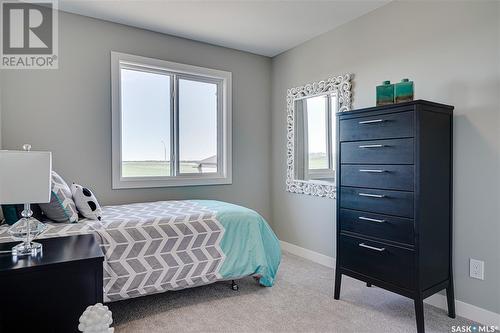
pixel 49 292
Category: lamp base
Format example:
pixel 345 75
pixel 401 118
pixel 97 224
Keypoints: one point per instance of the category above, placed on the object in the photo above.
pixel 25 249
pixel 26 229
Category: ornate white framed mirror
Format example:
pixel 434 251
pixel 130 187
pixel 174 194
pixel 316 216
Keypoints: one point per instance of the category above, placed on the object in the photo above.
pixel 311 128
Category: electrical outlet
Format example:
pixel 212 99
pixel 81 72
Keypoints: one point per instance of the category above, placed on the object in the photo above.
pixel 476 269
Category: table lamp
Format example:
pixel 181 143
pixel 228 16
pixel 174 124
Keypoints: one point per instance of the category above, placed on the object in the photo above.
pixel 25 178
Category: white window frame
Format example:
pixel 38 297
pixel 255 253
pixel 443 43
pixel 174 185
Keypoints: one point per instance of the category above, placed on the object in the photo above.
pixel 224 122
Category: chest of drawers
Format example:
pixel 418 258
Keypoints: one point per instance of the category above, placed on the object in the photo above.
pixel 394 200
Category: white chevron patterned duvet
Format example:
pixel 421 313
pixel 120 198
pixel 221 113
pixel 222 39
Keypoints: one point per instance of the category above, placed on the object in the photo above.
pixel 152 247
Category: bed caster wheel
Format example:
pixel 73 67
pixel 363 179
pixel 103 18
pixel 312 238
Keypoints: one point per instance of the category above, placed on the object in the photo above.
pixel 234 286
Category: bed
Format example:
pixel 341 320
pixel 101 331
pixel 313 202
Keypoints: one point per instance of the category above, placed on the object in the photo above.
pixel 169 245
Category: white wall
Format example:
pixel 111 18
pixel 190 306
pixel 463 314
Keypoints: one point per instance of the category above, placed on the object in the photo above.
pixel 452 52
pixel 68 111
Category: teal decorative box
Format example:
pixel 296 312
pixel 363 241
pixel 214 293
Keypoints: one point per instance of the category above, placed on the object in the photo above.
pixel 385 93
pixel 403 91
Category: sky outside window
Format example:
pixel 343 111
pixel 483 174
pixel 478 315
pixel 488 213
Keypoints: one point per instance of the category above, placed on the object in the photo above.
pixel 198 124
pixel 146 113
pixel 145 123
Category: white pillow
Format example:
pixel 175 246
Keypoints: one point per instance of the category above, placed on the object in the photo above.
pixel 86 202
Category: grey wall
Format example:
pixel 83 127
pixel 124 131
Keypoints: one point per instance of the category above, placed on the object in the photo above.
pixel 0 116
pixel 68 111
pixel 451 51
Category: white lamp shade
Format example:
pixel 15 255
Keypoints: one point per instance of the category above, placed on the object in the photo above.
pixel 25 176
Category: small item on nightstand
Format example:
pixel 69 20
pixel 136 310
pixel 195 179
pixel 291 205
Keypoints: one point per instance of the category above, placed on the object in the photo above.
pixel 385 93
pixel 403 91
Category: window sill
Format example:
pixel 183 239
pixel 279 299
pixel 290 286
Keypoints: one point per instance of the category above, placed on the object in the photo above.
pixel 127 183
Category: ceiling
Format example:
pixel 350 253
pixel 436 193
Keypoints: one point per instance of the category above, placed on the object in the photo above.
pixel 262 27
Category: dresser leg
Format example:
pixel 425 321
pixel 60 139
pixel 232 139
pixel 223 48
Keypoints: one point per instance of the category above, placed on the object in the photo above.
pixel 450 298
pixel 419 314
pixel 338 280
pixel 368 284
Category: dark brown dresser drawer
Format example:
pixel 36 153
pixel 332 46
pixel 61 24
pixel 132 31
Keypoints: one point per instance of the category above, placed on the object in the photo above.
pixel 386 227
pixel 394 151
pixel 390 177
pixel 378 260
pixel 394 125
pixel 397 203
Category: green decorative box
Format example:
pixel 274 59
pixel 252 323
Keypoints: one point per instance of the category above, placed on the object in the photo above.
pixel 385 93
pixel 403 91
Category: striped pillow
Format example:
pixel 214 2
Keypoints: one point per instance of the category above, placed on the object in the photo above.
pixel 61 207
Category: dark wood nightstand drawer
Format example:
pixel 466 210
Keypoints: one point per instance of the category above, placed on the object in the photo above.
pixel 378 260
pixel 386 227
pixel 49 292
pixel 390 177
pixel 393 125
pixel 397 203
pixel 394 151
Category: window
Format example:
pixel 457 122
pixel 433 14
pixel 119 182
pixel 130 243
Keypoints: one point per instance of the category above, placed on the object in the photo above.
pixel 320 135
pixel 317 119
pixel 171 123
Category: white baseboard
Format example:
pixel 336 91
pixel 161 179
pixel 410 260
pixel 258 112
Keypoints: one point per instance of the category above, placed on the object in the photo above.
pixel 466 310
pixel 462 309
pixel 308 254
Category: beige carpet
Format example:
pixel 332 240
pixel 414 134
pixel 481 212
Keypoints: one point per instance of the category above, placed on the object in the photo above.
pixel 300 301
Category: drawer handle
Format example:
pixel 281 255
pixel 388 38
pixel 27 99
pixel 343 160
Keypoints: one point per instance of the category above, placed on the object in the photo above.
pixel 379 249
pixel 370 219
pixel 371 121
pixel 371 195
pixel 371 146
pixel 372 170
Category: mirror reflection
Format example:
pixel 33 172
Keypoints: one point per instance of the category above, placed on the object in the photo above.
pixel 315 138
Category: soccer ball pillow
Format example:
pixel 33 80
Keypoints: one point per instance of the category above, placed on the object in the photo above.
pixel 86 202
